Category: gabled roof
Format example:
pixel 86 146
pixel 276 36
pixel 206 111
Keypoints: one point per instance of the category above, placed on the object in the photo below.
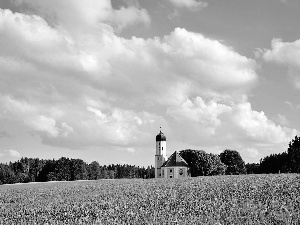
pixel 175 160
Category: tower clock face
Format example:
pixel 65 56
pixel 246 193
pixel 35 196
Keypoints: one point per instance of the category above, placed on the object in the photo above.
pixel 180 171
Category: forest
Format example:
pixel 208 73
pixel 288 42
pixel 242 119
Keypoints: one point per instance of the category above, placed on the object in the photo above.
pixel 229 162
pixel 66 169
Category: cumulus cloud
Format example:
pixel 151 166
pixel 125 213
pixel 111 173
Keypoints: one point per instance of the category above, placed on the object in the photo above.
pixel 92 14
pixel 193 5
pixel 29 114
pixel 286 53
pixel 13 153
pixel 76 83
pixel 198 111
pixel 236 122
pixel 258 127
pixel 10 153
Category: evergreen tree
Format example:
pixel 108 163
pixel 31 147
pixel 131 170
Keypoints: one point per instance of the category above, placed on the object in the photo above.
pixel 294 155
pixel 275 163
pixel 30 170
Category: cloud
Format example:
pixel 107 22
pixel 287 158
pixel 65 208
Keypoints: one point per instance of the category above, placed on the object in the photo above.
pixel 67 129
pixel 197 111
pixel 4 134
pixel 286 53
pixel 10 153
pixel 289 104
pixel 284 1
pixel 258 127
pixel 131 150
pixel 74 82
pixel 192 5
pixel 281 119
pixel 231 124
pixel 13 153
pixel 92 14
pixel 29 114
pixel 253 152
pixel 44 124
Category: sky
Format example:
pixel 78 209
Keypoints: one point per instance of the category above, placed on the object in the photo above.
pixel 96 79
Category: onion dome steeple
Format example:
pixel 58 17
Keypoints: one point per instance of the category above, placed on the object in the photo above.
pixel 161 136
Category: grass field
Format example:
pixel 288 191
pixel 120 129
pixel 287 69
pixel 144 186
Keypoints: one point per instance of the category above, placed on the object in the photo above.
pixel 249 199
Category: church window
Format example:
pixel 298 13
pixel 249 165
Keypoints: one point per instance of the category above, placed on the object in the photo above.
pixel 170 170
pixel 162 148
pixel 180 171
pixel 157 158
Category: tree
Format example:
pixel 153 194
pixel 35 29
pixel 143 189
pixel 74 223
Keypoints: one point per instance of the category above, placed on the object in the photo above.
pixel 63 169
pixel 202 163
pixel 36 166
pixel 48 167
pixel 294 155
pixel 78 169
pixel 7 175
pixel 253 168
pixel 275 163
pixel 30 170
pixel 233 161
pixel 94 169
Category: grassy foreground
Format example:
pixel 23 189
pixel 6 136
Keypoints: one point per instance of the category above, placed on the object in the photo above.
pixel 249 199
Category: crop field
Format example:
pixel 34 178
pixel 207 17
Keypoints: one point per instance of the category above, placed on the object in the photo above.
pixel 248 199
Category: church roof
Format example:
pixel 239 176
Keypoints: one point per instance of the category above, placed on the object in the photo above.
pixel 175 160
pixel 161 137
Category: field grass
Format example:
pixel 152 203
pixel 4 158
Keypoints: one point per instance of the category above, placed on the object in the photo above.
pixel 249 199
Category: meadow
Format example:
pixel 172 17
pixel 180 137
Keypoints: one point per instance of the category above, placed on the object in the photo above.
pixel 245 199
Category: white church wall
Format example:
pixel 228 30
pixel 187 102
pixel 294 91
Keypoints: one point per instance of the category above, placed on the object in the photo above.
pixel 174 172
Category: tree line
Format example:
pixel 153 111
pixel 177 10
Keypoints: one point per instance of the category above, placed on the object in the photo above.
pixel 66 169
pixel 229 162
pixel 285 162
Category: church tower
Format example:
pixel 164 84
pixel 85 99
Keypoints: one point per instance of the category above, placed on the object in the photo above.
pixel 161 153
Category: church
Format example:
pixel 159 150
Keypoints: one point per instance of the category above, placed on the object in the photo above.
pixel 173 167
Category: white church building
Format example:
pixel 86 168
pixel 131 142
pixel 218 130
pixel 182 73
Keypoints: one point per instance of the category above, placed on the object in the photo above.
pixel 174 167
